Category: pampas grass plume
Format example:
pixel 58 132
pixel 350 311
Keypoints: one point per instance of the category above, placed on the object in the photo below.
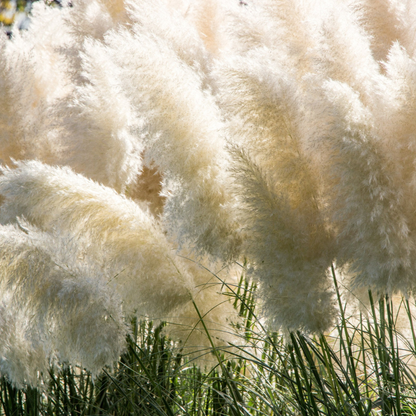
pixel 52 314
pixel 111 229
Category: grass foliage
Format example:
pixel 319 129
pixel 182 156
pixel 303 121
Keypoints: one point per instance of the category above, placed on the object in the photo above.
pixel 365 366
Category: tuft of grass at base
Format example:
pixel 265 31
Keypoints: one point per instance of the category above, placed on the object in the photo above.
pixel 363 367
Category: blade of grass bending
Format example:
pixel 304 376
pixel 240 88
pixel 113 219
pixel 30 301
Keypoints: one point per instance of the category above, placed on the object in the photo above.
pixel 340 386
pixel 150 398
pixel 121 390
pixel 348 342
pixel 333 378
pixel 149 376
pixel 363 349
pixel 307 346
pixel 383 355
pixel 236 396
pixel 299 391
pixel 409 314
pixel 395 355
pixel 327 355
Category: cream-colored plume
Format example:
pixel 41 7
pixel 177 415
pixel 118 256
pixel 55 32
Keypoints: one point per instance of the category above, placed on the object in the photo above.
pixel 51 313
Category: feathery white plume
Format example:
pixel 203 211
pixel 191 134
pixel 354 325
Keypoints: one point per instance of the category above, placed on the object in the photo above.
pixel 183 139
pixel 97 122
pixel 114 234
pixel 373 236
pixel 52 313
pixel 110 228
pixel 287 241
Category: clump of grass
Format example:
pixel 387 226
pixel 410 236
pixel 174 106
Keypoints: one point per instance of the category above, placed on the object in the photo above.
pixel 363 367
